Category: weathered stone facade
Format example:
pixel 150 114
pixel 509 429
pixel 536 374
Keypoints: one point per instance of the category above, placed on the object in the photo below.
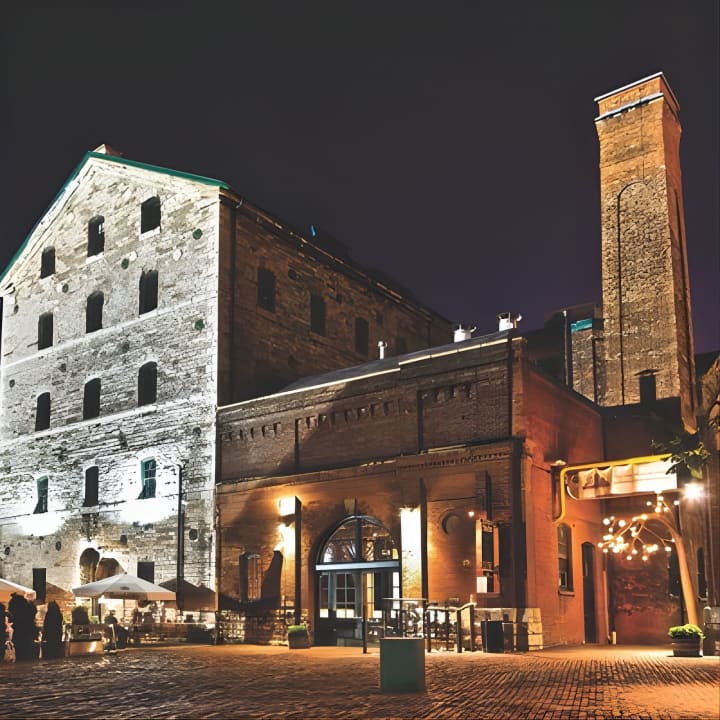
pixel 202 327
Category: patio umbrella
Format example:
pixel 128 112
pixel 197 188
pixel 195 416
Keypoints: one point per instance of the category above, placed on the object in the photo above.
pixel 7 588
pixel 125 587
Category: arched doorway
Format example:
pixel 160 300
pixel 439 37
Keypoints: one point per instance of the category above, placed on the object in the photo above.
pixel 88 565
pixel 357 566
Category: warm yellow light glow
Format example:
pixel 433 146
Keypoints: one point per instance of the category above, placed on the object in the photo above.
pixel 693 491
pixel 286 506
pixel 287 539
pixel 410 541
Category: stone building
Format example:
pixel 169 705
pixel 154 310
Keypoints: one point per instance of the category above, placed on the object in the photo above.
pixel 141 300
pixel 472 473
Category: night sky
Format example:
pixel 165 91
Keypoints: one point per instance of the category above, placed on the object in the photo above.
pixel 449 144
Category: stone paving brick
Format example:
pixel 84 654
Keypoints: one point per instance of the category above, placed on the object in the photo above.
pixel 241 681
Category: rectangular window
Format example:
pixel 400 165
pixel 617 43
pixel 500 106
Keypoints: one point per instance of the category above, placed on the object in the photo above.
pixel 42 412
pixel 565 580
pixel 93 312
pixel 96 236
pixel 146 570
pixel 91 486
pixel 147 472
pixel 361 336
pixel 150 214
pixel 148 291
pixel 40 584
pixel 317 314
pixel 266 289
pixel 42 495
pixel 91 399
pixel 47 262
pixel 250 577
pixel 45 330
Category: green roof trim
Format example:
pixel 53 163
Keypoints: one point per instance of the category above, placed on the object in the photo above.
pixel 121 161
pixel 581 325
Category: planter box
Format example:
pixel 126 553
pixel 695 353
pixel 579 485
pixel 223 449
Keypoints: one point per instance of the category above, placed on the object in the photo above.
pixel 686 647
pixel 298 641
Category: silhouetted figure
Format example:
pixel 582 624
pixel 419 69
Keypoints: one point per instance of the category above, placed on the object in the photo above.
pixel 53 645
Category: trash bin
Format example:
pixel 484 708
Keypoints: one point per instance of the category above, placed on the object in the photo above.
pixel 402 664
pixel 492 636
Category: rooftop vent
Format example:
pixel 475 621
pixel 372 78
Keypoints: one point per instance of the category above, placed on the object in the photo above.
pixel 381 349
pixel 462 332
pixel 508 320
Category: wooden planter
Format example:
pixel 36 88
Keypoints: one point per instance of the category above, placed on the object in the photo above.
pixel 298 641
pixel 686 647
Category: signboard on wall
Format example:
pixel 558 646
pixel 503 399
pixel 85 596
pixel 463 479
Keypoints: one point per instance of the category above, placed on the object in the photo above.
pixel 635 476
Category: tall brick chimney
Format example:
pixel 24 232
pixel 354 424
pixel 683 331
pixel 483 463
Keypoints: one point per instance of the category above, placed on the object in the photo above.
pixel 646 291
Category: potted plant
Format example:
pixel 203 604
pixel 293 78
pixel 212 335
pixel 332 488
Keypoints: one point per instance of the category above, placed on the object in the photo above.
pixel 686 640
pixel 298 636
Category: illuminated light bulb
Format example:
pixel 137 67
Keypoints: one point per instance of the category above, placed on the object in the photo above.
pixel 660 498
pixel 607 537
pixel 471 513
pixel 606 521
pixel 676 502
pixel 668 549
pixel 648 503
pixel 643 516
pixel 644 557
pixel 605 550
pixel 622 523
pixel 629 557
pixel 634 552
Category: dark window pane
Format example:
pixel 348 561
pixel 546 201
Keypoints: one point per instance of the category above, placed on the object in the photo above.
pixel 146 570
pixel 96 235
pixel 266 289
pixel 45 330
pixel 91 399
pixel 361 336
pixel 91 486
pixel 147 384
pixel 39 584
pixel 150 214
pixel 42 412
pixel 148 291
pixel 47 262
pixel 93 312
pixel 317 314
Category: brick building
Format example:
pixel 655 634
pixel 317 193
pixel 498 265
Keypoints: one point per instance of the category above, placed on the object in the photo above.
pixel 434 476
pixel 141 300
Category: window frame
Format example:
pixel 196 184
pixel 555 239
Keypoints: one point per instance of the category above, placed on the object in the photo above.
pixel 94 311
pixel 564 550
pixel 92 486
pixel 150 214
pixel 148 478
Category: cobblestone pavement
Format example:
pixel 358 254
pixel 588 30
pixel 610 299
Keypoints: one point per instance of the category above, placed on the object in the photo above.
pixel 236 681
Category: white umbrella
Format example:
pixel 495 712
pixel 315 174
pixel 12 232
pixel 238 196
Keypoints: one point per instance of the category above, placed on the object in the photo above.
pixel 124 586
pixel 7 588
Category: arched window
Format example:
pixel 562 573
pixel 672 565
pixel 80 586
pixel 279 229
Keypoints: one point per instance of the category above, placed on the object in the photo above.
pixel 42 412
pixel 150 214
pixel 91 399
pixel 148 291
pixel 147 384
pixel 45 330
pixel 94 312
pixel 47 262
pixel 96 235
pixel 358 539
pixel 564 539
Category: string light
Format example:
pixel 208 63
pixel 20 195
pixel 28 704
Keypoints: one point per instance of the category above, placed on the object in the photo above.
pixel 635 538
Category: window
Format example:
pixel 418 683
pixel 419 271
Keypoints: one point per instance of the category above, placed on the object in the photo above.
pixel 564 558
pixel 250 577
pixel 401 347
pixel 91 399
pixel 148 291
pixel 40 584
pixel 93 312
pixel 266 289
pixel 47 262
pixel 317 314
pixel 361 336
pixel 147 476
pixel 42 412
pixel 96 235
pixel 42 495
pixel 150 214
pixel 147 384
pixel 702 579
pixel 45 330
pixel 146 570
pixel 91 486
